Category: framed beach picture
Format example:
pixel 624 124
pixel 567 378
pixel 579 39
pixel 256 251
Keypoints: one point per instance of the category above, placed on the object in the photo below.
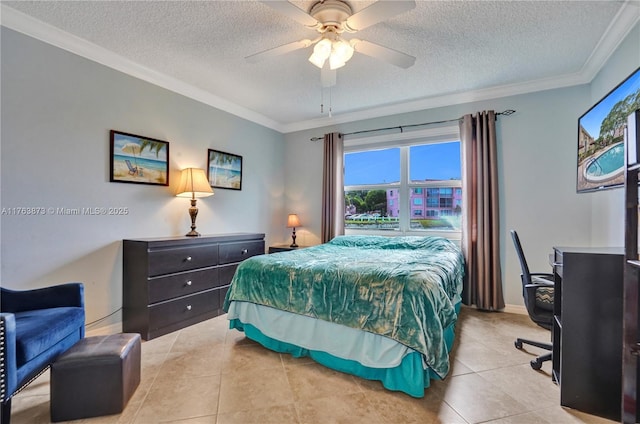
pixel 224 170
pixel 137 159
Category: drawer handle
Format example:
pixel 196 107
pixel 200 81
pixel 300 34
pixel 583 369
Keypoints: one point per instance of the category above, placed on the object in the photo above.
pixel 188 259
pixel 189 283
pixel 245 251
pixel 188 307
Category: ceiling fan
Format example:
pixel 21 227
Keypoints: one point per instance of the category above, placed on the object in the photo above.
pixel 331 19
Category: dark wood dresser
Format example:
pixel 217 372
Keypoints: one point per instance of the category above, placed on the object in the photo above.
pixel 171 283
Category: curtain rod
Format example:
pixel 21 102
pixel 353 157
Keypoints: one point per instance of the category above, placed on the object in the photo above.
pixel 403 127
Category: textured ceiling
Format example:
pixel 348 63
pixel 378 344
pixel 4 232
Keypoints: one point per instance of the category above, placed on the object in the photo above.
pixel 460 47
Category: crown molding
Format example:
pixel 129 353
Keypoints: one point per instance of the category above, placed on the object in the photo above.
pixel 624 21
pixel 441 101
pixel 25 24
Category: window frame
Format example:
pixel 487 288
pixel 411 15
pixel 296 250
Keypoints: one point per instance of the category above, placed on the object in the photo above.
pixel 404 140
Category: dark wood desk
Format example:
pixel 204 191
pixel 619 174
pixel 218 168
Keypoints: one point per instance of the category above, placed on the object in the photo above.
pixel 587 330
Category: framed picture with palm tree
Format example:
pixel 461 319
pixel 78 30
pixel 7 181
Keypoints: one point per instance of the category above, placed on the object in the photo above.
pixel 224 170
pixel 137 159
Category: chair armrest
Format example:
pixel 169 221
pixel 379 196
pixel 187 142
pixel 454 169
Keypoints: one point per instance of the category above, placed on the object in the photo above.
pixel 543 275
pixel 8 365
pixel 540 283
pixel 69 294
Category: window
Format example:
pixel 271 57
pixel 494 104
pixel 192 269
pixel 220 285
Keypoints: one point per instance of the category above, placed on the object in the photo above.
pixel 404 183
pixel 446 203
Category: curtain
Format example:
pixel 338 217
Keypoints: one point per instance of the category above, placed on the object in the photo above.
pixel 480 221
pixel 332 187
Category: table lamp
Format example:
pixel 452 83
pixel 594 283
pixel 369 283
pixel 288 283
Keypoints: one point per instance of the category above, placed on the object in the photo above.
pixel 194 184
pixel 292 222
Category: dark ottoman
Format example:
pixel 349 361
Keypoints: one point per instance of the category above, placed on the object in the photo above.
pixel 97 376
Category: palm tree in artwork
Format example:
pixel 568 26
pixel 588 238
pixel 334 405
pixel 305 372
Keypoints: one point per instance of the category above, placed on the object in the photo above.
pixel 154 146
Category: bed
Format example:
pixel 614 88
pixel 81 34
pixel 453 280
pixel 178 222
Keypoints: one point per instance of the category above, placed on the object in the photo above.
pixel 381 308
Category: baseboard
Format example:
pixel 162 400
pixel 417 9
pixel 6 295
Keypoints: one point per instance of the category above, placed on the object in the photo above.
pixel 114 328
pixel 515 309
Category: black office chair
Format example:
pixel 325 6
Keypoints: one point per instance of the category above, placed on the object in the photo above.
pixel 537 290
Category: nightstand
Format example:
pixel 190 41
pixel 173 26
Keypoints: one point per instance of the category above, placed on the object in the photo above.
pixel 283 248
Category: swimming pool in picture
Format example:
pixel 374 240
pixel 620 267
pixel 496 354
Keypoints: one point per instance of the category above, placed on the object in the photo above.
pixel 608 165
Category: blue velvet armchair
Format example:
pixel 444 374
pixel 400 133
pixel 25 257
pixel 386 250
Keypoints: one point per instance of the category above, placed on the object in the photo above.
pixel 35 327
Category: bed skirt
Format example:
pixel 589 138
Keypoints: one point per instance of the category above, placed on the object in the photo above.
pixel 409 376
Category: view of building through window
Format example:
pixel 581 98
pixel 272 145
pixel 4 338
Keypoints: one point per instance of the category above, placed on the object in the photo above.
pixel 408 188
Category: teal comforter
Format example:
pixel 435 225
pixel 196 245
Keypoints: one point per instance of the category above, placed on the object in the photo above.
pixel 405 288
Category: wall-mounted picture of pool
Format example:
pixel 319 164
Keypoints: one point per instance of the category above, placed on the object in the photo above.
pixel 601 137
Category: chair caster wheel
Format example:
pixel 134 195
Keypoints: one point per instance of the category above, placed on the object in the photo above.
pixel 518 344
pixel 536 365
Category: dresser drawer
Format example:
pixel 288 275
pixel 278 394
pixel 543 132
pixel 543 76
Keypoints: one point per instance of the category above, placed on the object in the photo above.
pixel 223 294
pixel 236 252
pixel 182 284
pixel 167 261
pixel 183 308
pixel 226 273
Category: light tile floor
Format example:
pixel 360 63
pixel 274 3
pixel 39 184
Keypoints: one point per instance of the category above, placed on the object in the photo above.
pixel 209 374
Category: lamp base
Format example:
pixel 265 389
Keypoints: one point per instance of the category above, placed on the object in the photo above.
pixel 293 236
pixel 193 213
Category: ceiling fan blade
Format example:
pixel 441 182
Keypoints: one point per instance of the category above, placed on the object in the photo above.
pixel 293 12
pixel 386 54
pixel 377 12
pixel 277 51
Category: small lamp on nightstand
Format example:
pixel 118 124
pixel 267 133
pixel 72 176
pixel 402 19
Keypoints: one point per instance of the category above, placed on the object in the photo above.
pixel 193 183
pixel 292 222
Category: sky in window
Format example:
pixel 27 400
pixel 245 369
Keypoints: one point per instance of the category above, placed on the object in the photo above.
pixel 592 120
pixel 433 161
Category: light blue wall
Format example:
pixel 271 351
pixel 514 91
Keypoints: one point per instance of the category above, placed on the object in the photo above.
pixel 57 110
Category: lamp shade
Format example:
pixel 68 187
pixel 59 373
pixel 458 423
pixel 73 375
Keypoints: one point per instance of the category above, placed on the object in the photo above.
pixel 293 221
pixel 193 183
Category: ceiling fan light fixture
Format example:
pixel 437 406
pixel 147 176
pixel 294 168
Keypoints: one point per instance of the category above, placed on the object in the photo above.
pixel 342 50
pixel 316 60
pixel 321 52
pixel 338 51
pixel 335 63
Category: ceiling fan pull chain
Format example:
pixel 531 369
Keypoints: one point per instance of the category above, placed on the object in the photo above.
pixel 330 102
